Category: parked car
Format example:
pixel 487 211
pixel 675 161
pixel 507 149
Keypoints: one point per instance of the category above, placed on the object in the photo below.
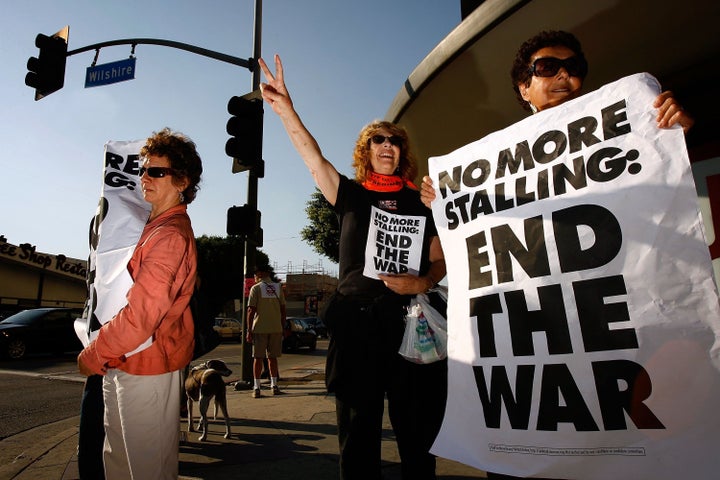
pixel 228 328
pixel 39 330
pixel 298 334
pixel 317 325
pixel 7 311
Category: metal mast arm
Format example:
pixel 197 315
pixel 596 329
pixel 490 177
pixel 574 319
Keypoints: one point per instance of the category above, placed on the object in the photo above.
pixel 250 63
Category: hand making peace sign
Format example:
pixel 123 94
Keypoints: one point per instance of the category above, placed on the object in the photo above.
pixel 274 91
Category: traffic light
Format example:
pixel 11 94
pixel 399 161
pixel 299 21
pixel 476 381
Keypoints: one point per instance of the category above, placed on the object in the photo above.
pixel 46 72
pixel 246 128
pixel 245 222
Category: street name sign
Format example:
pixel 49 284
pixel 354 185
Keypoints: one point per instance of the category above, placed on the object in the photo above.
pixel 108 73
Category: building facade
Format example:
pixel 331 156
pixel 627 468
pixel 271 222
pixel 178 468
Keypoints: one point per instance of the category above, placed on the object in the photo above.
pixel 32 279
pixel 306 293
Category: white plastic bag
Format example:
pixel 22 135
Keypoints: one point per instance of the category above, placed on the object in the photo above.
pixel 425 338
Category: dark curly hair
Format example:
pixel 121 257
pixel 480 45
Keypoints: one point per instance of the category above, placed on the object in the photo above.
pixel 361 155
pixel 520 72
pixel 182 155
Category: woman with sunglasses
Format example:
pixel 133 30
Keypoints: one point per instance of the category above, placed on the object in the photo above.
pixel 548 70
pixel 365 317
pixel 141 390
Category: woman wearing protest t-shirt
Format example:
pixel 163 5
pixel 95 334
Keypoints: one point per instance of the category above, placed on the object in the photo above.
pixel 389 251
pixel 548 70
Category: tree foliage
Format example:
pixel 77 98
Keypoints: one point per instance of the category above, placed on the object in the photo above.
pixel 221 265
pixel 323 233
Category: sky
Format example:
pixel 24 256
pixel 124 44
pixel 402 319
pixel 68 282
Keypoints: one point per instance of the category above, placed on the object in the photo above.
pixel 344 64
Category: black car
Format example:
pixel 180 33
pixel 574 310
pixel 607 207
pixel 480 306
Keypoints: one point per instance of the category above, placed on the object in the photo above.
pixel 39 330
pixel 317 325
pixel 298 334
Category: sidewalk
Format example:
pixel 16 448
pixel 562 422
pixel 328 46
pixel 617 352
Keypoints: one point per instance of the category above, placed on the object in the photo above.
pixel 289 436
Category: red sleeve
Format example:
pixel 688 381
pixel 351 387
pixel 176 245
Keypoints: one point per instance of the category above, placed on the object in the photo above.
pixel 157 264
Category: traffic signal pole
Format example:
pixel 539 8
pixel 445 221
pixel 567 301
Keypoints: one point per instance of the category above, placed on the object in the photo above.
pixel 252 195
pixel 46 75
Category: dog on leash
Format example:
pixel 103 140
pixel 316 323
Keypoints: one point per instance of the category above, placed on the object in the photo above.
pixel 203 383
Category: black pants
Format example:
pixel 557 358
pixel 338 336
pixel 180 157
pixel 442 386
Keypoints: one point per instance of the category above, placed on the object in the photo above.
pixel 91 432
pixel 363 369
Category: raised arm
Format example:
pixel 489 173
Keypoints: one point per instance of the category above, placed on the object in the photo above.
pixel 275 93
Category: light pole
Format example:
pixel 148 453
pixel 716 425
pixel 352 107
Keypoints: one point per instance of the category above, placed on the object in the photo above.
pixel 46 75
pixel 251 243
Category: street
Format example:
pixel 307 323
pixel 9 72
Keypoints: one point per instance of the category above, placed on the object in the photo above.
pixel 281 437
pixel 29 401
pixel 43 389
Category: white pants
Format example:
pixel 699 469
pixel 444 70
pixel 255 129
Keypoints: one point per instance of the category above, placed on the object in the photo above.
pixel 142 425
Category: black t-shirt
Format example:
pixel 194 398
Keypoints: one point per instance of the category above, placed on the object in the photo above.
pixel 353 207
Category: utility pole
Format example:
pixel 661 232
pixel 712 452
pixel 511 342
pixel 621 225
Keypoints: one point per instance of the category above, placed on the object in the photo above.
pixel 46 74
pixel 252 194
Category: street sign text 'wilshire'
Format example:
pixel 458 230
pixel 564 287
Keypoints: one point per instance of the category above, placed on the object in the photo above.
pixel 108 73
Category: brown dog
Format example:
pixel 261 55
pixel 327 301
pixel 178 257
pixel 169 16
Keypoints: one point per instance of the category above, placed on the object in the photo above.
pixel 202 384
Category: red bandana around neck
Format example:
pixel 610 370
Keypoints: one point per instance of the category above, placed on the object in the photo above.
pixel 378 182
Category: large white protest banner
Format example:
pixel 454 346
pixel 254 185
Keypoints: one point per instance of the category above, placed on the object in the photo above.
pixel 583 318
pixel 114 231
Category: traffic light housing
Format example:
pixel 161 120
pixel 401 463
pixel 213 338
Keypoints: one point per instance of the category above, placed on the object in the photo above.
pixel 245 222
pixel 246 130
pixel 46 72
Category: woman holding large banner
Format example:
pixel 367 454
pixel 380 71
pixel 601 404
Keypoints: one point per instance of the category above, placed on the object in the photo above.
pixel 389 251
pixel 143 349
pixel 568 378
pixel 550 67
pixel 548 70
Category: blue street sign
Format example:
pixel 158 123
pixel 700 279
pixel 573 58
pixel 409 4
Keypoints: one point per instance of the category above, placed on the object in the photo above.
pixel 110 73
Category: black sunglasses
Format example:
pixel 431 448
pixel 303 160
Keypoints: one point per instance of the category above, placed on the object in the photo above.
pixel 156 172
pixel 380 139
pixel 550 66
